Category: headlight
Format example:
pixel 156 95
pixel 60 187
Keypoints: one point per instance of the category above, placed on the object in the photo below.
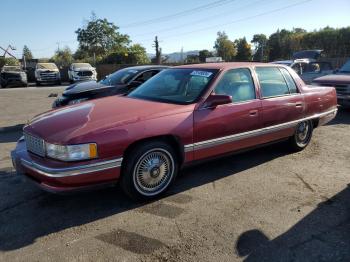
pixel 72 152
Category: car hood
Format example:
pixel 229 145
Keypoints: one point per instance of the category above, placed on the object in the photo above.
pixel 46 70
pixel 84 69
pixel 86 87
pixel 333 79
pixel 74 124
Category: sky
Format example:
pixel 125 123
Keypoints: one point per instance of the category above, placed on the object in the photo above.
pixel 45 25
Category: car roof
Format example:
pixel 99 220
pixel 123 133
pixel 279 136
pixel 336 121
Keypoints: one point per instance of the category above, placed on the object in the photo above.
pixel 225 65
pixel 147 67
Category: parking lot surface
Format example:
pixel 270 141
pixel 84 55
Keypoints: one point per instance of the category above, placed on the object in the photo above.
pixel 263 205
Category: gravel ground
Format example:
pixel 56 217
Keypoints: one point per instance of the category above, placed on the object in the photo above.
pixel 262 205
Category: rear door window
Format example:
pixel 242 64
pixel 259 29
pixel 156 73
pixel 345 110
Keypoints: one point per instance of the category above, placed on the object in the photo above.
pixel 272 82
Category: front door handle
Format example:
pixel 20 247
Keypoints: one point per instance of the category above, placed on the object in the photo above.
pixel 298 104
pixel 253 112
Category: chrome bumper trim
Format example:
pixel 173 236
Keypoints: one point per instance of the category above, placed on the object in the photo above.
pixel 71 171
pixel 253 133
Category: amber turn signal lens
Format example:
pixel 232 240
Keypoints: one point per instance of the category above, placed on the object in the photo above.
pixel 93 150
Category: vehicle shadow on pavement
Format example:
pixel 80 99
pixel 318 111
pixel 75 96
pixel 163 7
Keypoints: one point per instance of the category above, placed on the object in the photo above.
pixel 323 235
pixel 9 137
pixel 343 117
pixel 27 213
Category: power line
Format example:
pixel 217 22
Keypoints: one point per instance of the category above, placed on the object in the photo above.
pixel 201 20
pixel 235 21
pixel 176 15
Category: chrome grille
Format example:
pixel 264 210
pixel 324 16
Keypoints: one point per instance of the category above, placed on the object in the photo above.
pixel 342 89
pixel 35 145
pixel 48 76
pixel 84 73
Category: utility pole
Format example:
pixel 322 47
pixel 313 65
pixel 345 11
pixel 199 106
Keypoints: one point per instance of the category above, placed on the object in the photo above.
pixel 158 51
pixel 58 46
pixel 182 55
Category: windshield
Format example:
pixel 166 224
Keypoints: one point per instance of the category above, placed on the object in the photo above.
pixel 345 68
pixel 179 86
pixel 81 65
pixel 47 66
pixel 11 68
pixel 120 77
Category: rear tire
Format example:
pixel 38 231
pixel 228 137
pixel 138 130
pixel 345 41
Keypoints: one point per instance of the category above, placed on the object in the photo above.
pixel 302 136
pixel 148 171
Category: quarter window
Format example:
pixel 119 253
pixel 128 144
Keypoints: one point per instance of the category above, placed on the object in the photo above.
pixel 238 84
pixel 272 82
pixel 290 82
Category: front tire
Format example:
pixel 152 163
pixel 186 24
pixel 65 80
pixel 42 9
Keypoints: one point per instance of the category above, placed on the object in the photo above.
pixel 302 136
pixel 149 170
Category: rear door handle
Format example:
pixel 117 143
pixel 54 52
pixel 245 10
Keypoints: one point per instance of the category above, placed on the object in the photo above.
pixel 253 112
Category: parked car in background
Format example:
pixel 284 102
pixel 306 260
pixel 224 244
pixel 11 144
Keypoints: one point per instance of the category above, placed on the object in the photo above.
pixel 120 82
pixel 81 72
pixel 180 116
pixel 341 81
pixel 13 76
pixel 308 70
pixel 307 66
pixel 47 73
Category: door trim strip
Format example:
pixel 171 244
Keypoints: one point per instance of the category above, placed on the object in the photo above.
pixel 253 133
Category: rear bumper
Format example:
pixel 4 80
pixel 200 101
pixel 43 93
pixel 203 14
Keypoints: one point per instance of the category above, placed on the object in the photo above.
pixel 54 176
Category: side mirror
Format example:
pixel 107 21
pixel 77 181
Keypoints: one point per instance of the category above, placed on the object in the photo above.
pixel 216 100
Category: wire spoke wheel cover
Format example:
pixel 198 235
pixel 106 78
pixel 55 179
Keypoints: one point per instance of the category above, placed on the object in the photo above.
pixel 303 133
pixel 153 172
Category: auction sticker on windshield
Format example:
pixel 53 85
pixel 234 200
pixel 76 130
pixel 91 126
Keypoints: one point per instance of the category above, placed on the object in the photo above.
pixel 201 73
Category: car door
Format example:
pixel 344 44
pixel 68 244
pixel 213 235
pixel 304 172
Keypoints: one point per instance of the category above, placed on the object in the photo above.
pixel 282 103
pixel 226 127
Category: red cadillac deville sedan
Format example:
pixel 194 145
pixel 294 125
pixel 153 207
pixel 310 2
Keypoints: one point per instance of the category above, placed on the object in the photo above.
pixel 183 114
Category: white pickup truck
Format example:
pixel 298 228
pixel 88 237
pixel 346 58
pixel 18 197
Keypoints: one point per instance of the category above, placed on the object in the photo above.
pixel 81 72
pixel 47 73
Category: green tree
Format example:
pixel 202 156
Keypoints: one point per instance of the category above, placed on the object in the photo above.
pixel 261 50
pixel 203 54
pixel 63 57
pixel 244 51
pixel 224 47
pixel 138 54
pixel 100 37
pixel 135 54
pixel 8 61
pixel 192 59
pixel 27 53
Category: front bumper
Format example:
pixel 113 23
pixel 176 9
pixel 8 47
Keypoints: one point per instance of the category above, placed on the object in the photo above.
pixel 84 78
pixel 57 176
